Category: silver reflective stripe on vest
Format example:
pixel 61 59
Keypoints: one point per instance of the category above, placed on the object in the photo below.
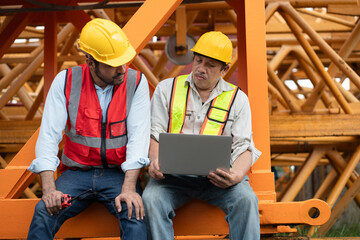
pixel 95 142
pixel 130 88
pixel 70 163
pixel 74 100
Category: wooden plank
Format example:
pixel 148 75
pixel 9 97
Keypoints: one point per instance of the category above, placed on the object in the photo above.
pixel 344 9
pixel 314 125
pixel 10 148
pixel 16 132
pixel 304 145
pixel 317 3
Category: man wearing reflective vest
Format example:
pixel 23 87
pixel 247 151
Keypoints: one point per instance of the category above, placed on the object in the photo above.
pixel 203 103
pixel 103 107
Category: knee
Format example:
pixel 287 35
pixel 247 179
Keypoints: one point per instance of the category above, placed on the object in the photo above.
pixel 247 201
pixel 133 229
pixel 152 196
pixel 251 198
pixel 250 201
pixel 244 209
pixel 40 209
pixel 156 202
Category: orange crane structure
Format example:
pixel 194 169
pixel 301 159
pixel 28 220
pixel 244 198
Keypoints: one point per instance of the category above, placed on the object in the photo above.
pixel 275 42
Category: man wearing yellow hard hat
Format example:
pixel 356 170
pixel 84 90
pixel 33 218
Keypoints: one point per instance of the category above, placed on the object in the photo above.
pixel 203 103
pixel 104 109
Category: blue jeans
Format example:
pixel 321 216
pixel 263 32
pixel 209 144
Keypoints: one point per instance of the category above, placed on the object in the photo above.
pixel 239 203
pixel 105 186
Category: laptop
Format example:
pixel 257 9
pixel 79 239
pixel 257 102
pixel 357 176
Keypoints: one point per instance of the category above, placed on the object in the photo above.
pixel 188 154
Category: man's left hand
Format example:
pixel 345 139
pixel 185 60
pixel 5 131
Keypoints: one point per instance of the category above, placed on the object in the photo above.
pixel 225 179
pixel 131 198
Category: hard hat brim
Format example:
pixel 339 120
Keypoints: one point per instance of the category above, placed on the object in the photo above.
pixel 209 56
pixel 123 59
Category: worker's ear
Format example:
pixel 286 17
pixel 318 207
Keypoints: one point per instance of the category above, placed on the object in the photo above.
pixel 90 63
pixel 225 69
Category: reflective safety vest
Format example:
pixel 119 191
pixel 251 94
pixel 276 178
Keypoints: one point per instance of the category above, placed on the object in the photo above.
pixel 90 142
pixel 216 116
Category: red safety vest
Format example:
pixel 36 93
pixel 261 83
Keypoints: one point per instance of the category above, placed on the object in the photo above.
pixel 89 142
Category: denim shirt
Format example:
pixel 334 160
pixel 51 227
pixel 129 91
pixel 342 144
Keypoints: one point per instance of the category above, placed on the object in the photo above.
pixel 238 125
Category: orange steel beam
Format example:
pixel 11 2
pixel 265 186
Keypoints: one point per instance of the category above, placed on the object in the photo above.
pixel 181 30
pixel 209 219
pixel 316 61
pixel 77 18
pixel 10 33
pixel 344 177
pixel 336 59
pixel 252 79
pixel 295 212
pixel 50 50
pixel 340 207
pixel 15 177
pixel 147 20
pixel 302 175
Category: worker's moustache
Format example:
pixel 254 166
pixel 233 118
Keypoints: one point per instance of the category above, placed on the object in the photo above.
pixel 198 74
pixel 117 76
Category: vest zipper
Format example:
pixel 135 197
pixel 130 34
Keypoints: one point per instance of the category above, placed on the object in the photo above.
pixel 103 145
pixel 103 135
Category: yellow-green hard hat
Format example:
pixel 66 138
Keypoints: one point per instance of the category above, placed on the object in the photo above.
pixel 215 45
pixel 106 42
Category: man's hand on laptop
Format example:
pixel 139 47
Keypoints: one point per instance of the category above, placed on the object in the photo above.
pixel 224 179
pixel 154 170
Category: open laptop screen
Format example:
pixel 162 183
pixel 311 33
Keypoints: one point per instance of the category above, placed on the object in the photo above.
pixel 193 154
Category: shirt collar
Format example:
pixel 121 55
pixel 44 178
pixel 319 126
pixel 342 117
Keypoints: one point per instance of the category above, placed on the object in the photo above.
pixel 107 88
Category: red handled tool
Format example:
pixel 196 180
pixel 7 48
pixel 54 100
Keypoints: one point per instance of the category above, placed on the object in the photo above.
pixel 66 199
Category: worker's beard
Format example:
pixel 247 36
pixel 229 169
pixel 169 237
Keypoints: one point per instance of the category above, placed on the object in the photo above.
pixel 115 80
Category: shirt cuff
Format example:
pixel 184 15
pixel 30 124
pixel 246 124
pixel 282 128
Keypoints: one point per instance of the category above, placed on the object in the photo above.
pixel 255 154
pixel 155 135
pixel 44 164
pixel 129 165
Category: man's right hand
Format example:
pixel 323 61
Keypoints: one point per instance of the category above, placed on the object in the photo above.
pixel 52 201
pixel 154 170
pixel 51 197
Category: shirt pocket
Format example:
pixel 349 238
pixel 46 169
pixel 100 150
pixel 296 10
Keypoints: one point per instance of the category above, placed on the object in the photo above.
pixel 189 115
pixel 92 113
pixel 91 125
pixel 77 149
pixel 229 123
pixel 118 129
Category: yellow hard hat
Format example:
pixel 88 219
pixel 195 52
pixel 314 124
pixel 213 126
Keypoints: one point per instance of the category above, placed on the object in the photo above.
pixel 214 45
pixel 106 42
